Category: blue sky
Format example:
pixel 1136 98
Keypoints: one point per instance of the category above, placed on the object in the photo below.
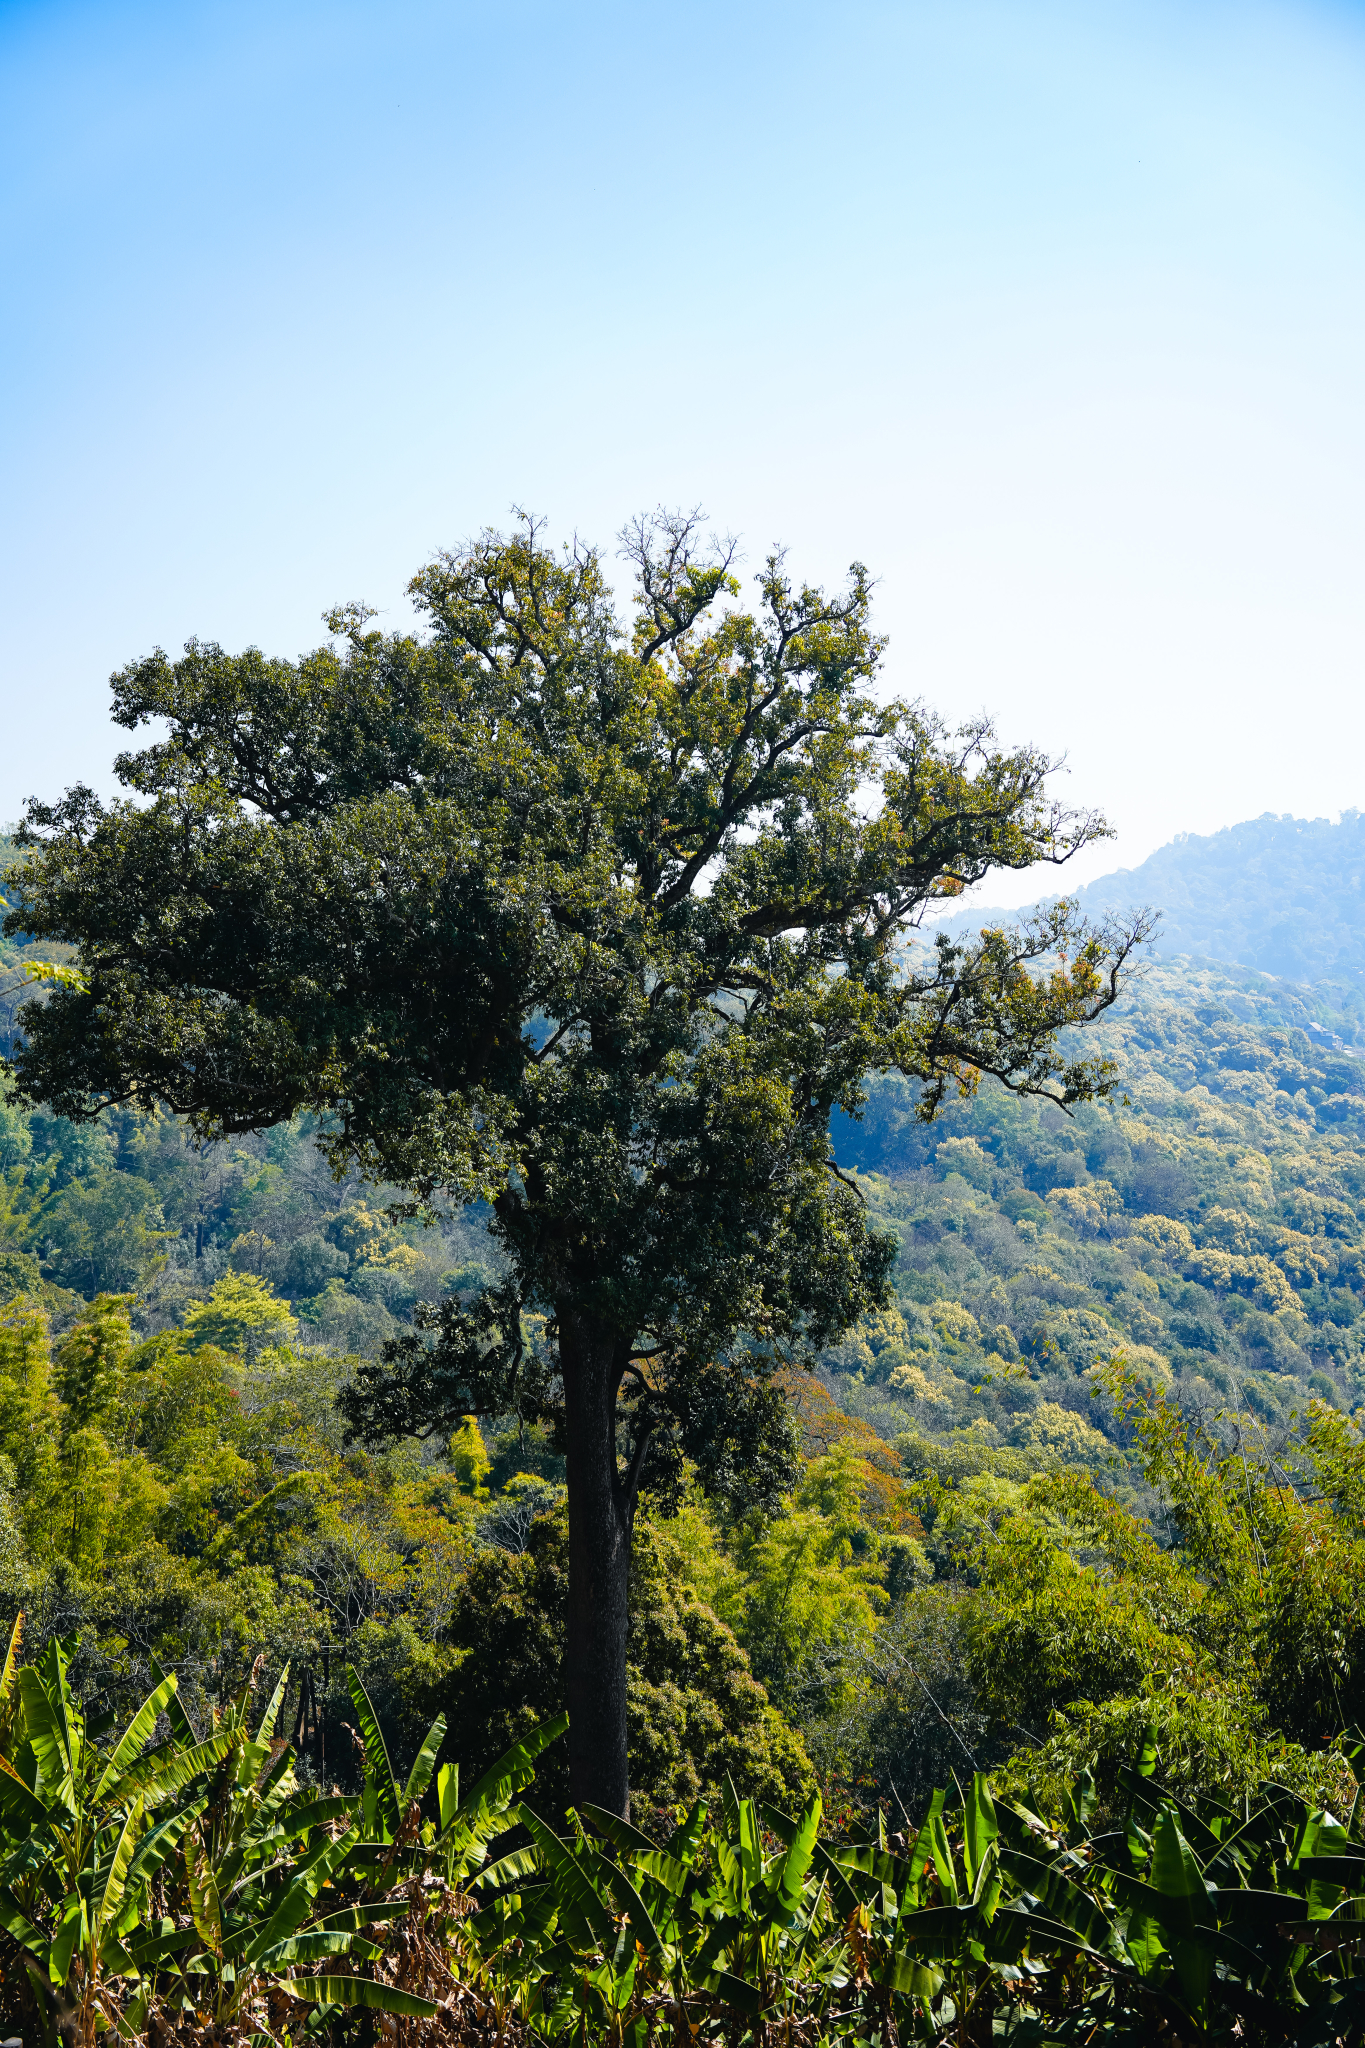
pixel 1052 314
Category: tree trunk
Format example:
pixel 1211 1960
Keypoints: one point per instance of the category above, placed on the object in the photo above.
pixel 600 1522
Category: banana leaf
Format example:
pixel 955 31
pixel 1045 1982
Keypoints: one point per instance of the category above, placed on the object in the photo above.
pixel 360 1991
pixel 315 1946
pixel 419 1777
pixel 578 1896
pixel 739 1993
pixel 618 1832
pixel 512 1773
pixel 134 1739
pixel 381 1789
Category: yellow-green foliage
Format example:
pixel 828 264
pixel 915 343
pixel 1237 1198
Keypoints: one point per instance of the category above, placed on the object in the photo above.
pixel 806 1590
pixel 1210 1232
pixel 243 1314
pixel 469 1456
pixel 195 1501
pixel 1241 1642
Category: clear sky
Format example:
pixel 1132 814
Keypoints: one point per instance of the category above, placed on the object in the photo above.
pixel 1051 313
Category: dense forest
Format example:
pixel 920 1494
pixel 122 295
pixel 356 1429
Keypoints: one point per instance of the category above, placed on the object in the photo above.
pixel 1091 1484
pixel 179 1320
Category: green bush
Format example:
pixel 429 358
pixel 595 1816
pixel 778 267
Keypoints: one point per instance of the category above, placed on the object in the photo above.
pixel 696 1713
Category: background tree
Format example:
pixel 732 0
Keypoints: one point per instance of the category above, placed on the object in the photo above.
pixel 598 922
pixel 242 1314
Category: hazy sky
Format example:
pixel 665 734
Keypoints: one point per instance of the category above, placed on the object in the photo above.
pixel 1052 314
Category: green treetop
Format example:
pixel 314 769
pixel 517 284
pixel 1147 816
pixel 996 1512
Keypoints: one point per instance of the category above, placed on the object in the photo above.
pixel 242 1314
pixel 598 921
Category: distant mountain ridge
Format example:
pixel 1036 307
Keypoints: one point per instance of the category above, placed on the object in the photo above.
pixel 1281 895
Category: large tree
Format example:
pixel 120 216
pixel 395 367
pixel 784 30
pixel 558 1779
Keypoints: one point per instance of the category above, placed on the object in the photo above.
pixel 598 922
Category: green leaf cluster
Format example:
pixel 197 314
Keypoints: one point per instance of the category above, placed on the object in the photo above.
pixel 164 1877
pixel 984 1922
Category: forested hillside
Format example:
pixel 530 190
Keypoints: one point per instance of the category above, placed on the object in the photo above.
pixel 1214 1224
pixel 1285 896
pixel 1088 1489
pixel 1069 1291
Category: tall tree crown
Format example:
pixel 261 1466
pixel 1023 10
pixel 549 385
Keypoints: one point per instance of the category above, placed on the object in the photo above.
pixel 597 919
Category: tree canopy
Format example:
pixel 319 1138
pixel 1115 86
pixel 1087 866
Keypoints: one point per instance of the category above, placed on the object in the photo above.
pixel 597 921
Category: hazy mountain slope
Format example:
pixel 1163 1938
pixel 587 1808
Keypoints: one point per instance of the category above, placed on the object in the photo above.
pixel 1284 895
pixel 1279 894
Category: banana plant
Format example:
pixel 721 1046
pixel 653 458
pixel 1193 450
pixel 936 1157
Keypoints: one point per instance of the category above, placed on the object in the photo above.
pixel 1262 1908
pixel 258 1855
pixel 453 1844
pixel 506 1948
pixel 996 1924
pixel 84 1833
pixel 455 1841
pixel 716 1921
pixel 217 1823
pixel 191 1877
pixel 1209 1917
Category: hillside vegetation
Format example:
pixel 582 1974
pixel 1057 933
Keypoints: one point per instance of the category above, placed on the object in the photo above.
pixel 1090 1488
pixel 1214 1226
pixel 1205 1238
